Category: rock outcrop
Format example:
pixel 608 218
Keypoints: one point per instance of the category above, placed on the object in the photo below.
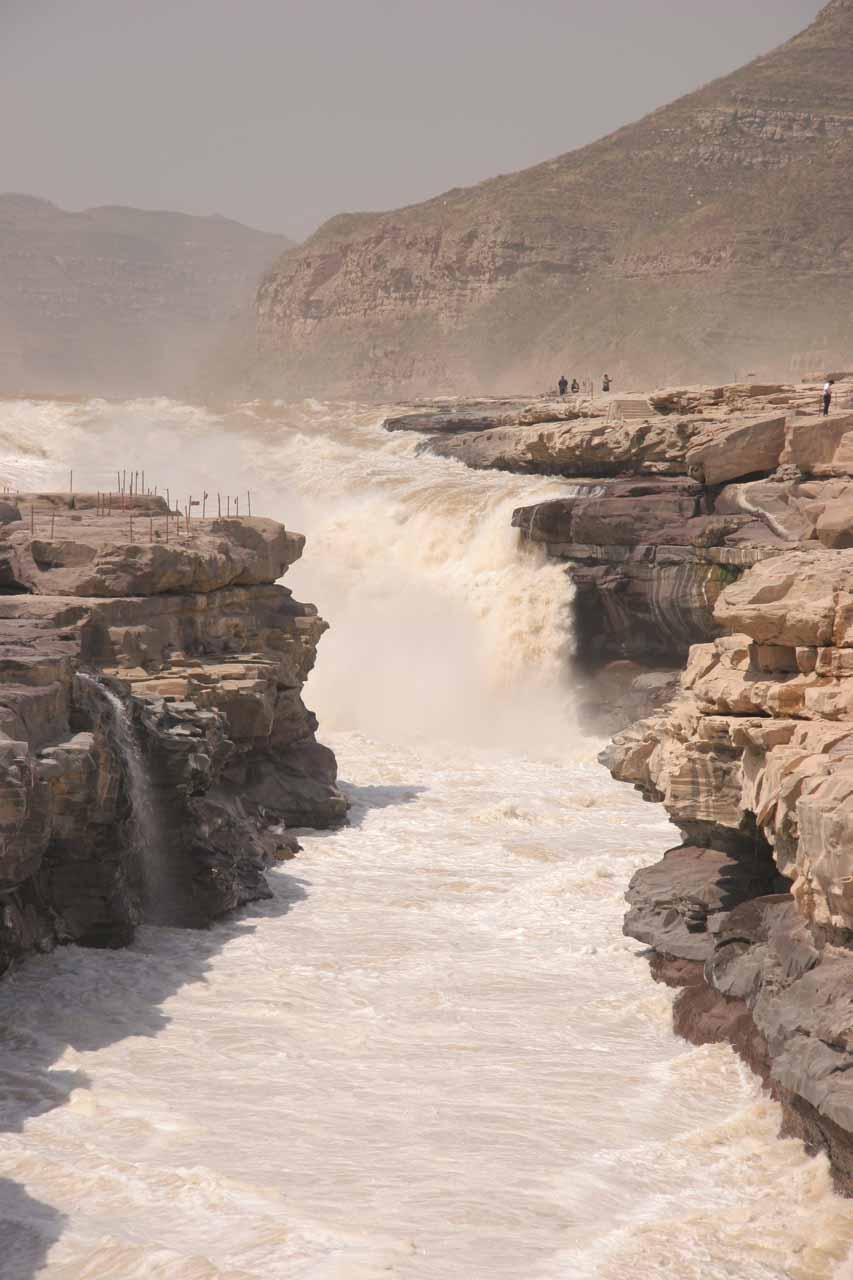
pixel 754 762
pixel 715 451
pixel 139 651
pixel 716 530
pixel 649 253
pixel 665 512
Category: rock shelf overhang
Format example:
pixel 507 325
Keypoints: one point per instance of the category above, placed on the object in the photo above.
pixel 185 619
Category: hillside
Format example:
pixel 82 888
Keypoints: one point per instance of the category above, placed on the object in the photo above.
pixel 117 300
pixel 711 239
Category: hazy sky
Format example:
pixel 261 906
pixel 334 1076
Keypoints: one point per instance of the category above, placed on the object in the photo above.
pixel 282 112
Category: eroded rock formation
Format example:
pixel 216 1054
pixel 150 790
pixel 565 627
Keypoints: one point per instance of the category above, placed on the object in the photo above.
pixel 716 529
pixel 208 657
pixel 667 510
pixel 754 762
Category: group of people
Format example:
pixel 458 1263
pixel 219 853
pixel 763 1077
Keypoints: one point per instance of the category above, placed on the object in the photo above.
pixel 563 385
pixel 606 384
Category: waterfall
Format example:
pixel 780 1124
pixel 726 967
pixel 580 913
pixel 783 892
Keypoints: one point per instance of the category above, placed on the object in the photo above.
pixel 146 829
pixel 479 881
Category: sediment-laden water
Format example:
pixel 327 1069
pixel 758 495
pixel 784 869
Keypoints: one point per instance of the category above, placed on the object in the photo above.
pixel 432 1055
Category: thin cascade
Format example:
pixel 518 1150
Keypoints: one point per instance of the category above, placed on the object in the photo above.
pixel 146 828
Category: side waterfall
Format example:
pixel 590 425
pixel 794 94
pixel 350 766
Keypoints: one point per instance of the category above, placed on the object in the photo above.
pixel 146 829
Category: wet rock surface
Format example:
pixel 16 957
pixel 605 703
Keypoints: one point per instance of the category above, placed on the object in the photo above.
pixel 208 657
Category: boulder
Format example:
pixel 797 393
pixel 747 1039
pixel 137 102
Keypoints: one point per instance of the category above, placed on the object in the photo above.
pixel 588 449
pixel 822 446
pixel 788 509
pixel 800 598
pixel 677 905
pixel 736 449
pixel 834 525
pixel 617 513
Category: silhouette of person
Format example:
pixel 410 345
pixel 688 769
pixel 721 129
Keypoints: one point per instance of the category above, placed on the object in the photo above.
pixel 576 386
pixel 605 385
pixel 827 396
pixel 563 384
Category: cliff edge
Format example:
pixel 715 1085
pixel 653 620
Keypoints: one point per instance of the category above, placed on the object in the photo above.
pixel 154 745
pixel 712 528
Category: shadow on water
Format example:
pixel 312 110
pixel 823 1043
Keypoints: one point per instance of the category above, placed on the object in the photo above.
pixel 364 799
pixel 82 1001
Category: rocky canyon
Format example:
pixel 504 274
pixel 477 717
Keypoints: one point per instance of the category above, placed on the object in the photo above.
pixel 490 918
pixel 285 1087
pixel 711 529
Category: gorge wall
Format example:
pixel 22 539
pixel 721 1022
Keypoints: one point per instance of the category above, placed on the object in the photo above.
pixel 126 628
pixel 753 763
pixel 710 238
pixel 713 528
pixel 669 496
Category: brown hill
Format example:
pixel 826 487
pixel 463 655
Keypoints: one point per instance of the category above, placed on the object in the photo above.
pixel 712 239
pixel 116 300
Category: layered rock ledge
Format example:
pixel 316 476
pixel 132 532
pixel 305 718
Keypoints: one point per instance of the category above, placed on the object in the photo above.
pixel 176 635
pixel 753 761
pixel 661 513
pixel 712 528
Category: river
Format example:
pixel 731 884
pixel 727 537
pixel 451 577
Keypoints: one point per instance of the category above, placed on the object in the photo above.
pixel 432 1055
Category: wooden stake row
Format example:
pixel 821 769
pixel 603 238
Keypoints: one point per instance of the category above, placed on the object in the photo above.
pixel 108 502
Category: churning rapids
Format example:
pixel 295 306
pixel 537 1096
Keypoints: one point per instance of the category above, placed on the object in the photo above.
pixel 432 1056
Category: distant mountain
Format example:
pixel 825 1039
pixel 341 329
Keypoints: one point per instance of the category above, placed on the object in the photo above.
pixel 712 239
pixel 120 301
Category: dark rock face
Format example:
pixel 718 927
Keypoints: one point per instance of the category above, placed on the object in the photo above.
pixel 648 559
pixel 207 658
pixel 678 905
pixel 784 1004
pixel 456 416
pixel 612 697
pixel 753 760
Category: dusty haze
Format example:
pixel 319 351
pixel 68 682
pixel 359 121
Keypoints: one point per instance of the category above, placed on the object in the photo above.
pixel 280 114
pixel 709 241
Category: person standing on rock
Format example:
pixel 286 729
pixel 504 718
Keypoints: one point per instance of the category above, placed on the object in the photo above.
pixel 563 384
pixel 827 396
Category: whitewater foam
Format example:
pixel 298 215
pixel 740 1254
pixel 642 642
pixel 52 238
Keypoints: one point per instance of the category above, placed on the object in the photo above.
pixel 433 1054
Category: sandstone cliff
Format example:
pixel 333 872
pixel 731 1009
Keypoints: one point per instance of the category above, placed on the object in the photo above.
pixel 754 913
pixel 714 527
pixel 119 301
pixel 669 496
pixel 711 238
pixel 154 745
